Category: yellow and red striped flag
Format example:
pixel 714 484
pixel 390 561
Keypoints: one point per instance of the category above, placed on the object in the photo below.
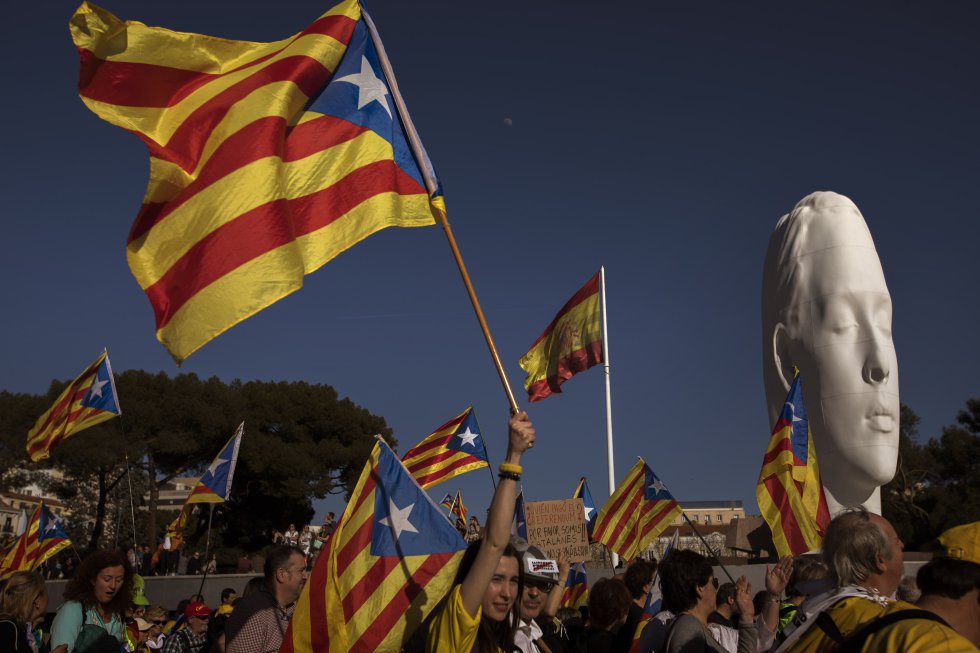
pixel 266 159
pixel 391 559
pixel 572 343
pixel 789 490
pixel 459 508
pixel 88 400
pixel 452 449
pixel 576 592
pixel 637 512
pixel 43 538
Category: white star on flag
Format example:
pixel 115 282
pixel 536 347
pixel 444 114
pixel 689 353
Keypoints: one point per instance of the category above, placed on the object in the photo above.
pixel 587 511
pixel 96 388
pixel 658 486
pixel 397 519
pixel 215 464
pixel 51 525
pixel 468 437
pixel 792 411
pixel 369 87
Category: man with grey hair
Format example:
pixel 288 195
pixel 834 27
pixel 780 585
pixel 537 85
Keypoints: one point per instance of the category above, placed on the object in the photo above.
pixel 826 310
pixel 864 555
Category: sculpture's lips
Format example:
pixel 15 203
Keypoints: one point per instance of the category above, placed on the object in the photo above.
pixel 881 419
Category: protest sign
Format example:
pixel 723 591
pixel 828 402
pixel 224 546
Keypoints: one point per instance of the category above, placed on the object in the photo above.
pixel 558 527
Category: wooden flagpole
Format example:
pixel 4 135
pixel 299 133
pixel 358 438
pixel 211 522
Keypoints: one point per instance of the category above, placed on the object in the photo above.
pixel 429 175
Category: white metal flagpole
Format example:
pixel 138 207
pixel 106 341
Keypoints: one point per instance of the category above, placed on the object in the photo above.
pixel 605 372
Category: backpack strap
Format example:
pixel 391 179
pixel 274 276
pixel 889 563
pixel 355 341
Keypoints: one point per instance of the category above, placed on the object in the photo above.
pixel 827 624
pixel 854 643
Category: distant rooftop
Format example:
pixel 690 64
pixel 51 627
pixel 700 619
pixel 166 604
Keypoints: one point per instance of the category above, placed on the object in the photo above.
pixel 731 503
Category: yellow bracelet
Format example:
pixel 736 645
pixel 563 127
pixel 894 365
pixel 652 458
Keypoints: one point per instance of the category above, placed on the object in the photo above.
pixel 509 468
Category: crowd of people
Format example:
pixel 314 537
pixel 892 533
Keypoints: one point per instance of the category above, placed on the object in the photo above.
pixel 842 599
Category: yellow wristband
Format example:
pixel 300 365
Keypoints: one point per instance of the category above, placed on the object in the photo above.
pixel 509 468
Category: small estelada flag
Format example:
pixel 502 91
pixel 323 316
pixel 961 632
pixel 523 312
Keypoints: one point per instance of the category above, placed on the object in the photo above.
pixel 572 343
pixel 215 484
pixel 88 400
pixel 454 448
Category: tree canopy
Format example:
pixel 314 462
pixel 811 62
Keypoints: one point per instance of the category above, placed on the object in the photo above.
pixel 937 484
pixel 301 443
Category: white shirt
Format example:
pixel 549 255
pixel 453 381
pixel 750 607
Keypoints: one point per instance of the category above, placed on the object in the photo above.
pixel 525 636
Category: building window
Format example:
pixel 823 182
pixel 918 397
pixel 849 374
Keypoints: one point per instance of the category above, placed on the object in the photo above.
pixel 694 518
pixel 718 518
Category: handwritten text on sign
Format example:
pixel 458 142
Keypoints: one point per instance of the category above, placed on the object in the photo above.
pixel 558 527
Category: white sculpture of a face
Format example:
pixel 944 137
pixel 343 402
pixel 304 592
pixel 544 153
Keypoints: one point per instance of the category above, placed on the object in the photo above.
pixel 826 310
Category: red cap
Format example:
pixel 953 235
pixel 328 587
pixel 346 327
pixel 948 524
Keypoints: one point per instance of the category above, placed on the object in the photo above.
pixel 197 609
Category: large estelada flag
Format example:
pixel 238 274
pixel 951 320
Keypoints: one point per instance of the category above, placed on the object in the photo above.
pixel 576 592
pixel 572 343
pixel 637 512
pixel 452 449
pixel 789 489
pixel 582 492
pixel 88 400
pixel 43 538
pixel 266 159
pixel 214 485
pixel 390 560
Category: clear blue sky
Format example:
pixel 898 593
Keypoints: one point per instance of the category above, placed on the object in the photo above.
pixel 662 140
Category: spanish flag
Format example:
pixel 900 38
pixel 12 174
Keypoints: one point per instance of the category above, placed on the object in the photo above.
pixel 266 159
pixel 572 343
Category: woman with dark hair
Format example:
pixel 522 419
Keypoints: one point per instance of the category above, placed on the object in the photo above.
pixel 96 599
pixel 480 612
pixel 23 602
pixel 689 589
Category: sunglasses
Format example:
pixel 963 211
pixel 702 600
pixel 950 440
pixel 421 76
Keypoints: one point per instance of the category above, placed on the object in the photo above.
pixel 158 623
pixel 540 585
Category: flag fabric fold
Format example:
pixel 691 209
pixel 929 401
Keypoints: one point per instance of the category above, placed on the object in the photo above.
pixel 391 559
pixel 572 343
pixel 637 512
pixel 454 448
pixel 582 492
pixel 88 400
pixel 789 490
pixel 266 159
pixel 214 485
pixel 519 526
pixel 655 599
pixel 576 592
pixel 45 536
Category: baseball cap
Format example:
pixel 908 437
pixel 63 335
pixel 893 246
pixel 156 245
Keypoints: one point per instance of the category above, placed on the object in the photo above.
pixel 962 543
pixel 139 591
pixel 197 609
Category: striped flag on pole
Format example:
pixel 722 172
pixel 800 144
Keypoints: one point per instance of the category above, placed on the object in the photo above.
pixel 637 512
pixel 572 343
pixel 214 485
pixel 88 400
pixel 390 560
pixel 454 448
pixel 576 592
pixel 43 538
pixel 789 490
pixel 266 159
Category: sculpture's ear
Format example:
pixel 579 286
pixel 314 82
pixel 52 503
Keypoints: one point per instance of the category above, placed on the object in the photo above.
pixel 781 356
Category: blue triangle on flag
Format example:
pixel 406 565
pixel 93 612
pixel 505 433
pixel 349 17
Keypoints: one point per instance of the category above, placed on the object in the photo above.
pixel 49 526
pixel 101 393
pixel 655 489
pixel 406 521
pixel 467 438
